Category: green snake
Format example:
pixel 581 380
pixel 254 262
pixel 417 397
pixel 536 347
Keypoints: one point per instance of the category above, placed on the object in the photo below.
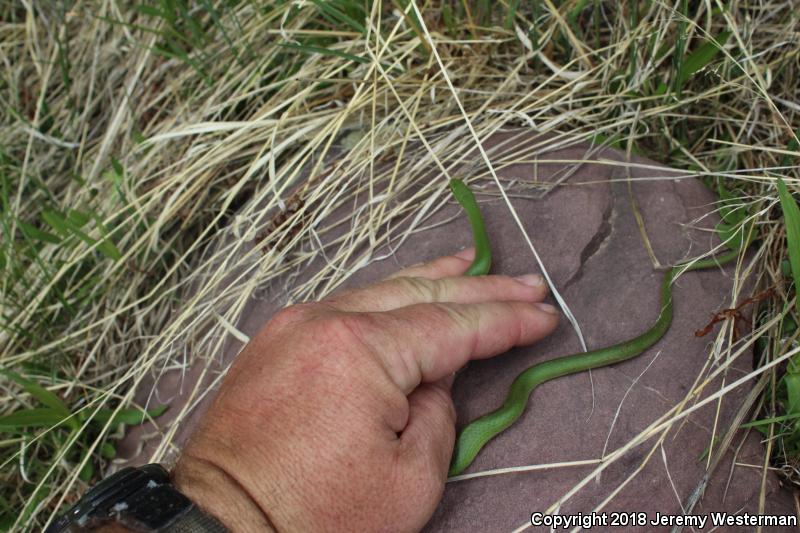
pixel 480 431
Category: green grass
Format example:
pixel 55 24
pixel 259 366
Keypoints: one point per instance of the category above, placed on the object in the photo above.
pixel 110 201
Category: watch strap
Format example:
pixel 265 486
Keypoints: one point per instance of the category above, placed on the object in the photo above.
pixel 164 509
pixel 140 499
pixel 195 520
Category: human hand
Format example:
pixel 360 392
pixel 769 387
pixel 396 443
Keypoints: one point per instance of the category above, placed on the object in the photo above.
pixel 337 415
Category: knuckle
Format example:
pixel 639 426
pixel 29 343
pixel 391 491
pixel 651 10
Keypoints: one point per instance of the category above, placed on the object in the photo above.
pixel 292 315
pixel 439 317
pixel 340 296
pixel 461 315
pixel 421 288
pixel 460 320
pixel 349 328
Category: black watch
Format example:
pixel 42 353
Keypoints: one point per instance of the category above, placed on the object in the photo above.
pixel 141 499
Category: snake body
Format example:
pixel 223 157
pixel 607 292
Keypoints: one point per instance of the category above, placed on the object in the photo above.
pixel 480 431
pixel 483 253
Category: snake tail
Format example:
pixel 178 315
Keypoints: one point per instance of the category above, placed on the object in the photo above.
pixel 483 252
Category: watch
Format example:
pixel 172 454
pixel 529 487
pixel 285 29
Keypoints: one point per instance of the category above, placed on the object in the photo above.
pixel 141 499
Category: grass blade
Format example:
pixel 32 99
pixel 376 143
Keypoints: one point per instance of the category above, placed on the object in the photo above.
pixel 791 216
pixel 34 417
pixel 337 17
pixel 44 396
pixel 701 57
pixel 309 49
pixel 132 417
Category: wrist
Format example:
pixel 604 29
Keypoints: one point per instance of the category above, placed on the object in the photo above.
pixel 214 490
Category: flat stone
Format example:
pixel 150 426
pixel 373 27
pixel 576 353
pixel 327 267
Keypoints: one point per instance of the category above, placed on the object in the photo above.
pixel 586 233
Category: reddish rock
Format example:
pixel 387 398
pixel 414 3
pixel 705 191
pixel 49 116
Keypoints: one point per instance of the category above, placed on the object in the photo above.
pixel 587 235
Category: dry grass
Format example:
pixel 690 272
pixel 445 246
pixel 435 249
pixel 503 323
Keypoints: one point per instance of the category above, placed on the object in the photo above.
pixel 136 140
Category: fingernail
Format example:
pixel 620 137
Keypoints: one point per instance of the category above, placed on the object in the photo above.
pixel 466 253
pixel 532 280
pixel 547 308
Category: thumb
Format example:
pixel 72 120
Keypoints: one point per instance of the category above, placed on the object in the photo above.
pixel 430 433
